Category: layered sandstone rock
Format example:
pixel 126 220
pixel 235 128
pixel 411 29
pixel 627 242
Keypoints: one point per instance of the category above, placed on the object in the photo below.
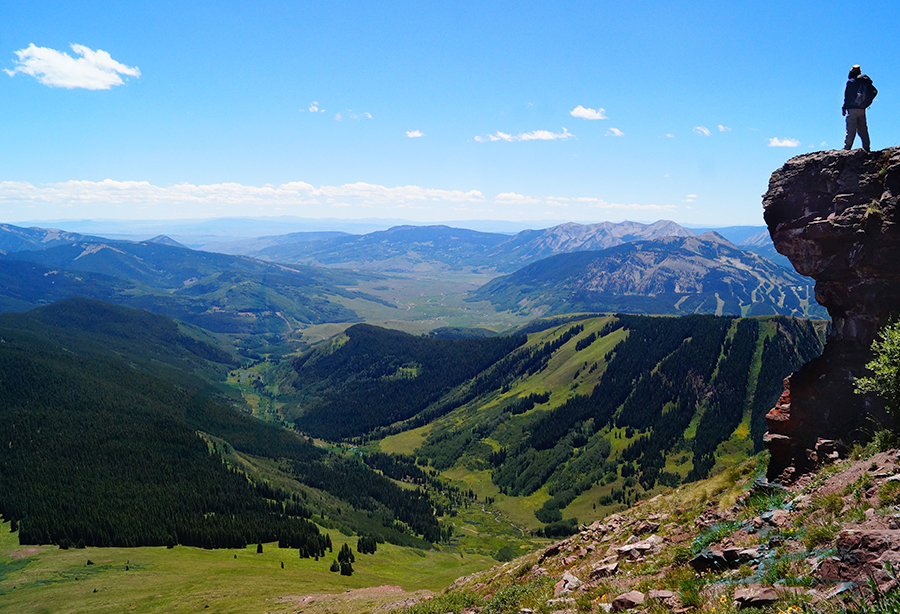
pixel 835 215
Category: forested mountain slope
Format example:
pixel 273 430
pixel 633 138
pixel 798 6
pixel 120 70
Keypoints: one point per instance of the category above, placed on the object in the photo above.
pixel 668 276
pixel 371 377
pixel 599 412
pixel 221 293
pixel 101 407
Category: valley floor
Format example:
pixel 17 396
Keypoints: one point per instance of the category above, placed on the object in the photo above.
pixel 47 579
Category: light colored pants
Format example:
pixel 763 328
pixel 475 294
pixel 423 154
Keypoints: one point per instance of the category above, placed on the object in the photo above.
pixel 856 122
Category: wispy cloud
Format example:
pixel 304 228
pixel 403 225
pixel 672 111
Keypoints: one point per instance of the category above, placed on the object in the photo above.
pixel 599 203
pixel 614 132
pixel 519 199
pixel 689 198
pixel 93 70
pixel 353 115
pixel 297 197
pixel 670 136
pixel 702 130
pixel 314 108
pixel 584 113
pixel 337 117
pixel 415 134
pixel 724 128
pixel 534 135
pixel 110 191
pixel 776 142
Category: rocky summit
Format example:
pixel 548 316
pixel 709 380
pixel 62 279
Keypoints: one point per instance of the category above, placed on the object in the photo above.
pixel 835 215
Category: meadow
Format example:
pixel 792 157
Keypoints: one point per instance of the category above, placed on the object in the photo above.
pixel 47 579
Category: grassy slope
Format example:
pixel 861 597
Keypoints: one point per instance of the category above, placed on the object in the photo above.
pixel 568 374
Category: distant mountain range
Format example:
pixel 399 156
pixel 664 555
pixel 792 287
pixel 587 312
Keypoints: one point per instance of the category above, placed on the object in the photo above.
pixel 221 293
pixel 407 249
pixel 671 275
pixel 566 268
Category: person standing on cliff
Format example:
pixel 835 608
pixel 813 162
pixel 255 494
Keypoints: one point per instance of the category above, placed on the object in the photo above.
pixel 858 95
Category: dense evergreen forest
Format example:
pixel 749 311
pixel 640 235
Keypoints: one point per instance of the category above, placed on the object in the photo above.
pixel 100 446
pixel 377 376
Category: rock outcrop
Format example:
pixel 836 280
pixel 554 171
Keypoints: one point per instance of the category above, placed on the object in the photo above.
pixel 835 215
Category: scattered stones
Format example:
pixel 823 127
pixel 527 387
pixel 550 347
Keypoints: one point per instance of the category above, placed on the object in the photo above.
pixel 661 595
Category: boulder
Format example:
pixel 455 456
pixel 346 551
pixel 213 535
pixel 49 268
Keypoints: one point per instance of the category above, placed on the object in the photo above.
pixel 567 584
pixel 755 596
pixel 708 560
pixel 627 601
pixel 604 571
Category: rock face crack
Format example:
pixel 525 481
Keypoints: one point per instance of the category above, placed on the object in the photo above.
pixel 834 215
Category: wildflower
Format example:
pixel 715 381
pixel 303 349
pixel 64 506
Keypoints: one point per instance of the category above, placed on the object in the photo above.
pixel 723 599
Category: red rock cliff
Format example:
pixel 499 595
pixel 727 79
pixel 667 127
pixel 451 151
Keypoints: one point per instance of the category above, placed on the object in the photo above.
pixel 835 215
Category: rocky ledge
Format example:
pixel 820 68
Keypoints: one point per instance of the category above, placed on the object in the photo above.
pixel 835 215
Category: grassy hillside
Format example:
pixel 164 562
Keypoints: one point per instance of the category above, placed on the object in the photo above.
pixel 591 415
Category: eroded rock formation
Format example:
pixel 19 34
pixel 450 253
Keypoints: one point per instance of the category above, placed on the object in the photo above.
pixel 835 215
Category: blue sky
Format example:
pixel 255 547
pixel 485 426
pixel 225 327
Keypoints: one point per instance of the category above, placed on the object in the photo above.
pixel 426 111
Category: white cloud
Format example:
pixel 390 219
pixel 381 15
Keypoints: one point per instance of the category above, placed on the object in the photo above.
pixel 353 115
pixel 110 191
pixel 776 142
pixel 337 117
pixel 670 136
pixel 724 128
pixel 614 132
pixel 702 130
pixel 518 199
pixel 141 198
pixel 94 70
pixel 583 113
pixel 415 134
pixel 534 135
pixel 692 196
pixel 314 108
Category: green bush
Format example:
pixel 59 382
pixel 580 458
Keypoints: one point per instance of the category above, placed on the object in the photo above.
pixel 818 534
pixel 889 493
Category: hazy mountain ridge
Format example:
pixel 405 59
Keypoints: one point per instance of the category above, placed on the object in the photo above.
pixel 220 292
pixel 417 248
pixel 673 275
pixel 17 239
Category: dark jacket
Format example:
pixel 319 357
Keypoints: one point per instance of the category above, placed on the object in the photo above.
pixel 855 93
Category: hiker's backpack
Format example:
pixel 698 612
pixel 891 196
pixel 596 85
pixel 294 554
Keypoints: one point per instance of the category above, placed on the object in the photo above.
pixel 869 95
pixel 865 93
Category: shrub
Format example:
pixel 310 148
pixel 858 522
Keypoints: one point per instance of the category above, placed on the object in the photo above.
pixel 818 534
pixel 889 493
pixel 831 503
